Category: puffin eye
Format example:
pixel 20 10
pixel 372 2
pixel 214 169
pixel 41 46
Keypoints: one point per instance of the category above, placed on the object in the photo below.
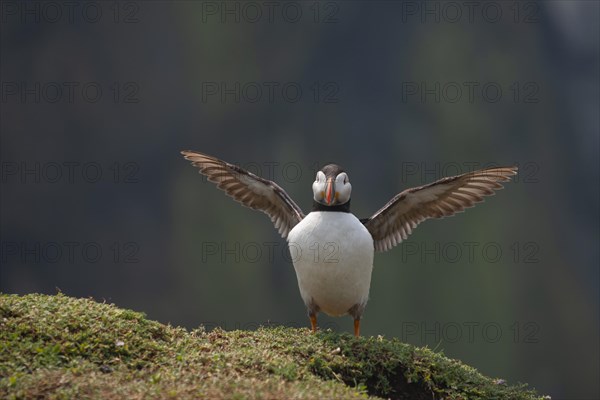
pixel 345 176
pixel 320 177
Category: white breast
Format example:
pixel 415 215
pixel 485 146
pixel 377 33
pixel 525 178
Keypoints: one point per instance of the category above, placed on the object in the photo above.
pixel 332 254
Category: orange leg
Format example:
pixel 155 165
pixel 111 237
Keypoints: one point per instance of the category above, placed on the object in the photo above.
pixel 357 327
pixel 313 323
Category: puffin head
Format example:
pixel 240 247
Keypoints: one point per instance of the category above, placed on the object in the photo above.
pixel 331 186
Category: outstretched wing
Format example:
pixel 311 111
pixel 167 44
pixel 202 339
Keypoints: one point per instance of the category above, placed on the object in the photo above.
pixel 250 190
pixel 396 220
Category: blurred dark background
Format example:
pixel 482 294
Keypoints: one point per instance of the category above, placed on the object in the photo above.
pixel 99 98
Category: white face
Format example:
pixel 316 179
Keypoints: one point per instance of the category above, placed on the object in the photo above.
pixel 331 192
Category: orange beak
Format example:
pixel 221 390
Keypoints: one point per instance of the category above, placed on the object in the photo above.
pixel 329 191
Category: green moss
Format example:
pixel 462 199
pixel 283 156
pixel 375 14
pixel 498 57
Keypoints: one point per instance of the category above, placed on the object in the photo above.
pixel 61 347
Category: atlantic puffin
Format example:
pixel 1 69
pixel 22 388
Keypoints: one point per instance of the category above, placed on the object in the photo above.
pixel 336 279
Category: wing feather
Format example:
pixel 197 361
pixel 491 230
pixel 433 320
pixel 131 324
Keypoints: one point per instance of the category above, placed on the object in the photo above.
pixel 395 221
pixel 250 190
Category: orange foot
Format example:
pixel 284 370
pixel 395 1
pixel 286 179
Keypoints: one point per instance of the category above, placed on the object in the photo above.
pixel 357 327
pixel 313 323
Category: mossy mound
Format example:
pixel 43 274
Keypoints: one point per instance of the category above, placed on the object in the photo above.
pixel 62 347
